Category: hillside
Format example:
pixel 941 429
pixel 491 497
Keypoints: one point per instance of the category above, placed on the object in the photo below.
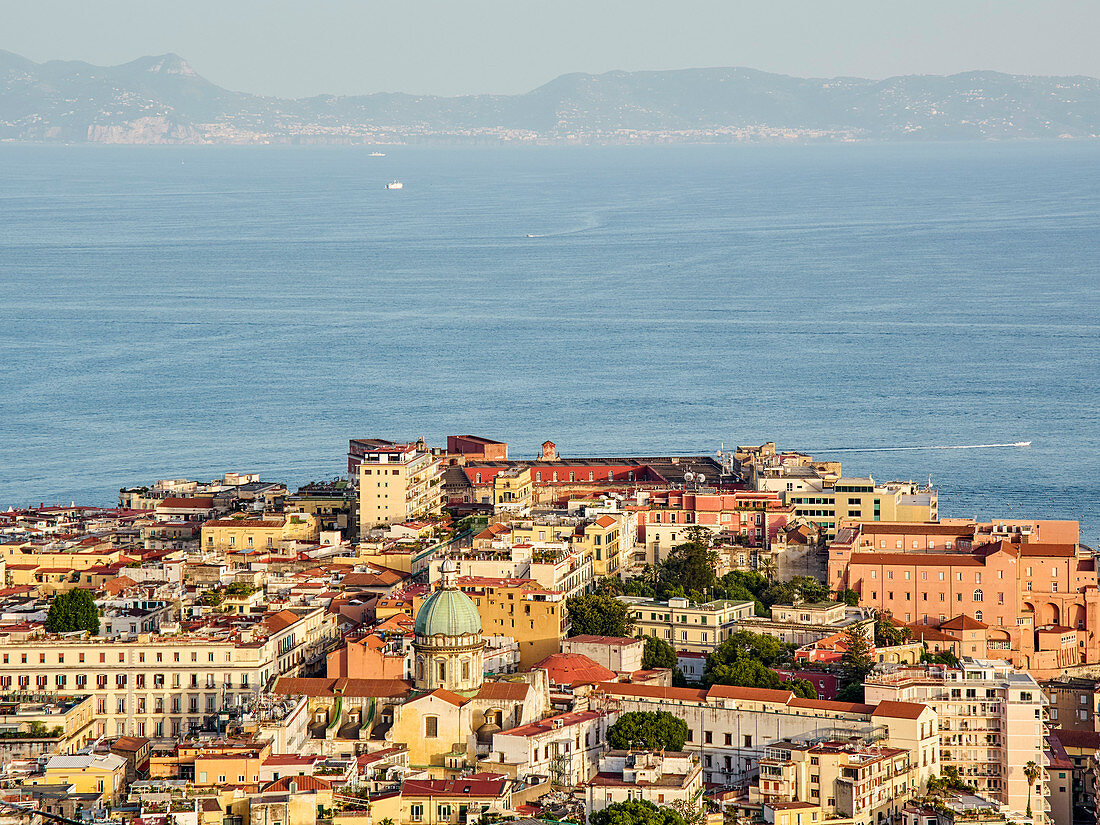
pixel 163 100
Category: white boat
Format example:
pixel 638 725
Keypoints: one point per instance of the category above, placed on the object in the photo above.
pixel 377 155
pixel 395 185
pixel 1022 444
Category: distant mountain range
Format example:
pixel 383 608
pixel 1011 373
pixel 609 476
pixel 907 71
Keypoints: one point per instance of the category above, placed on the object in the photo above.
pixel 163 100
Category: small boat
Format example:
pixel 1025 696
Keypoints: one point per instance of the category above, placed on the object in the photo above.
pixel 1022 444
pixel 395 185
pixel 377 155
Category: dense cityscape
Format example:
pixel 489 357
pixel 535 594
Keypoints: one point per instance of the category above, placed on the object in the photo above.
pixel 450 635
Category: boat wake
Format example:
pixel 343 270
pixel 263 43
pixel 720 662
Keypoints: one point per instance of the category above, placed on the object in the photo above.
pixel 591 223
pixel 895 449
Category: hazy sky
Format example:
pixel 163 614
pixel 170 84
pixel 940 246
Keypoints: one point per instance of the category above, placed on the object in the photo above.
pixel 466 46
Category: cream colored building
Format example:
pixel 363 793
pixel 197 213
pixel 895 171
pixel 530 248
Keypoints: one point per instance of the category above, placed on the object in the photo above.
pixel 864 783
pixel 398 482
pixel 663 778
pixel 272 531
pixel 730 726
pixel 685 625
pixel 160 685
pixel 991 723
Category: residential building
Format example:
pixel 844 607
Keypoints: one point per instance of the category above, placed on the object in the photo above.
pixel 564 748
pixel 59 725
pixel 616 653
pixel 397 481
pixel 1074 702
pixel 660 777
pixel 685 625
pixel 102 773
pixel 852 780
pixel 454 801
pixel 729 726
pixel 991 721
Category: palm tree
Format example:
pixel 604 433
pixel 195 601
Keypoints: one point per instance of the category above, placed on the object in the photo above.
pixel 767 567
pixel 1031 771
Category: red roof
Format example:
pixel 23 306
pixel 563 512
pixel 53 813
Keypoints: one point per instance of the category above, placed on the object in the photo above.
pixel 574 669
pixel 963 622
pixel 186 504
pixel 301 783
pixel 480 784
pixel 562 720
pixel 606 640
pixel 899 710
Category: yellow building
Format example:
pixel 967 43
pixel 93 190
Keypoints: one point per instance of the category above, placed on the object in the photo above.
pixel 601 538
pixel 273 531
pixel 398 482
pixel 686 625
pixel 512 490
pixel 102 773
pixel 60 725
pixel 861 499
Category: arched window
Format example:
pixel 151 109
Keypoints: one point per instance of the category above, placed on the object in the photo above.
pixel 978 597
pixel 978 615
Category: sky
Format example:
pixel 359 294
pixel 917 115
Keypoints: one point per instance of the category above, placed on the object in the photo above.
pixel 452 47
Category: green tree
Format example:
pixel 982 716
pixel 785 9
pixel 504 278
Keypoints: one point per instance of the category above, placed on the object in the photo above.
pixel 657 653
pixel 636 812
pixel 940 657
pixel 856 663
pixel 848 596
pixel 887 632
pixel 73 610
pixel 609 586
pixel 654 730
pixel 803 688
pixel 744 644
pixel 598 615
pixel 690 811
pixel 1031 771
pixel 689 567
pixel 211 598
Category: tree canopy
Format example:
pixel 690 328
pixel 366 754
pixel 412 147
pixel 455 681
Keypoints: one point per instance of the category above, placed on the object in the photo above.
pixel 635 812
pixel 887 632
pixel 857 663
pixel 658 653
pixel 848 596
pixel 654 730
pixel 599 615
pixel 73 610
pixel 746 659
pixel 688 570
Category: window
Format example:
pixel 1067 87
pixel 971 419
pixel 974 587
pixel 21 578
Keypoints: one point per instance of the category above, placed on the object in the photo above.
pixel 977 595
pixel 416 813
pixel 431 727
pixel 978 615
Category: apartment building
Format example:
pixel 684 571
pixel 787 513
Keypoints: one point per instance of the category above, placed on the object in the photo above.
pixel 686 625
pixel 1074 702
pixel 397 482
pixel 160 685
pixel 555 565
pixel 565 747
pixel 1040 601
pixel 866 783
pixel 663 778
pixel 272 531
pixel 991 722
pixel 730 726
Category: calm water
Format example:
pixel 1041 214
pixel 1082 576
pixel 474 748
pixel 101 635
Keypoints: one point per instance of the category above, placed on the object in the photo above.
pixel 169 312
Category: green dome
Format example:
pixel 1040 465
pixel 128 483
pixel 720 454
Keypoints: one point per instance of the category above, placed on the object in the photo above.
pixel 448 611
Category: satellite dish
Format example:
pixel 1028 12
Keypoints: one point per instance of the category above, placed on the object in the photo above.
pixel 689 476
pixel 700 477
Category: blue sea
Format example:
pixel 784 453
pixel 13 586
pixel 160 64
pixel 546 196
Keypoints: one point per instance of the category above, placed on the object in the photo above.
pixel 179 312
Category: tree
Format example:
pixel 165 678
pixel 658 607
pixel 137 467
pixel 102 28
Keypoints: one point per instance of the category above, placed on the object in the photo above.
pixel 636 812
pixel 609 586
pixel 856 661
pixel 768 567
pixel 1031 771
pixel 657 653
pixel 598 615
pixel 848 596
pixel 745 644
pixel 654 730
pixel 691 812
pixel 71 611
pixel 211 598
pixel 689 567
pixel 887 632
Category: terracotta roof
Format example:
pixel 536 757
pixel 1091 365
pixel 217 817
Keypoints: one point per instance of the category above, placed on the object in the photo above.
pixel 447 696
pixel 1084 739
pixel 899 710
pixel 563 720
pixel 129 743
pixel 750 694
pixel 383 578
pixel 605 521
pixel 301 783
pixel 654 691
pixel 963 622
pixel 200 503
pixel 514 691
pixel 490 785
pixel 923 633
pixel 917 528
pixel 574 669
pixel 1048 550
pixel 824 704
pixel 280 621
pixel 379 688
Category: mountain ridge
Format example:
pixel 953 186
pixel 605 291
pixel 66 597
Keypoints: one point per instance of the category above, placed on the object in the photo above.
pixel 162 99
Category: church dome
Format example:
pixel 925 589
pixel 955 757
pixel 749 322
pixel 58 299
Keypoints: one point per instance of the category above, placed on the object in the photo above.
pixel 448 611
